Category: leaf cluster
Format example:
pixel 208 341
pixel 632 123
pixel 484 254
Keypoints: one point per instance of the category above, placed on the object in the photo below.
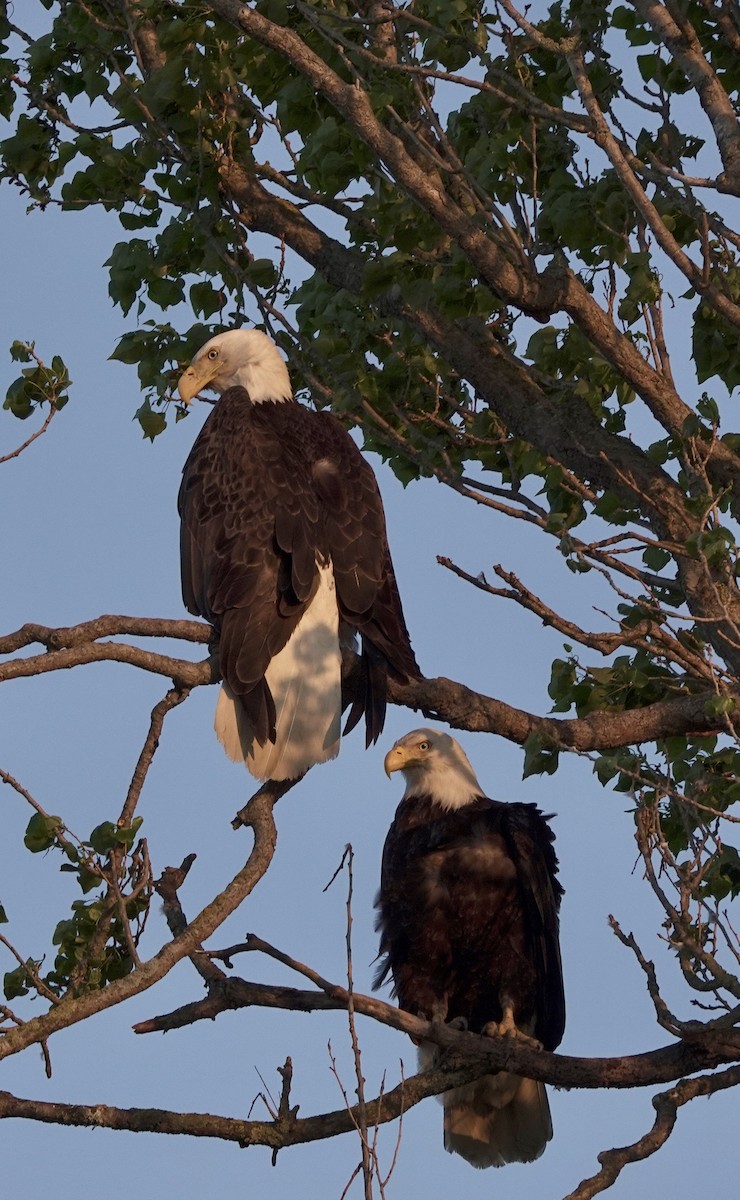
pixel 93 945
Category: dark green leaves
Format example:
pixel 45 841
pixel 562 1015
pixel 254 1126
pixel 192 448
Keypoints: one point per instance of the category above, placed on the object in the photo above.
pixel 108 835
pixel 42 832
pixel 36 384
pixel 716 343
pixel 20 981
pixel 541 755
pixel 152 423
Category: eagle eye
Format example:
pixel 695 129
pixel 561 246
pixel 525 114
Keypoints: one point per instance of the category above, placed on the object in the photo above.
pixel 213 354
pixel 423 745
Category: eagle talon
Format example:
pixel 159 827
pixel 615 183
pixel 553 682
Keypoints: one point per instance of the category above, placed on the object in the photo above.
pixel 508 1029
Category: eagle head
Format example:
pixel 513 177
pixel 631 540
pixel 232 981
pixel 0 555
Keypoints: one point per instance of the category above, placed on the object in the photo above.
pixel 238 358
pixel 433 764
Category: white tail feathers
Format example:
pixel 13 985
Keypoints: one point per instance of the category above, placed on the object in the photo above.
pixel 503 1119
pixel 305 679
pixel 495 1120
pixel 498 1119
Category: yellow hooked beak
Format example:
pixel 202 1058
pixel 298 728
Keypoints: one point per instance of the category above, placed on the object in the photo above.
pixel 197 377
pixel 396 759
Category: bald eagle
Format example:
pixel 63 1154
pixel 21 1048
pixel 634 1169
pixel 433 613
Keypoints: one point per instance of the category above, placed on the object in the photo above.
pixel 284 551
pixel 468 917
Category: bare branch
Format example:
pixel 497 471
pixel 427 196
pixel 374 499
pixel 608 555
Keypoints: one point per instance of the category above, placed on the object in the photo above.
pixel 666 1105
pixel 174 697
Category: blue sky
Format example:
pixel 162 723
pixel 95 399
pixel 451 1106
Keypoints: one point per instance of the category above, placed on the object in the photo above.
pixel 89 527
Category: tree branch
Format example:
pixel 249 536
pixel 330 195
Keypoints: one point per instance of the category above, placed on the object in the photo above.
pixel 437 698
pixel 73 1009
pixel 699 1048
pixel 684 47
pixel 24 445
pixel 666 1105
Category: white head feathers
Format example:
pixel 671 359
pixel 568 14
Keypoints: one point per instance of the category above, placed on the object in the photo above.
pixel 434 764
pixel 240 357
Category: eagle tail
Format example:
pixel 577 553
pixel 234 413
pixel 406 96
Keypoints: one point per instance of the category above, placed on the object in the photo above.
pixel 370 693
pixel 305 680
pixel 498 1119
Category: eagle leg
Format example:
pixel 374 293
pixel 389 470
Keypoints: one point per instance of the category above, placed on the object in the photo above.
pixel 438 1015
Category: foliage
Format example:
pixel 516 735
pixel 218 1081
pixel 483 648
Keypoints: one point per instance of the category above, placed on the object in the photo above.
pixel 504 251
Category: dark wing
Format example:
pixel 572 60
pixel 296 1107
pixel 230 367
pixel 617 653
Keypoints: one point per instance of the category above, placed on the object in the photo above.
pixel 530 842
pixel 419 900
pixel 367 593
pixel 357 541
pixel 392 901
pixel 250 534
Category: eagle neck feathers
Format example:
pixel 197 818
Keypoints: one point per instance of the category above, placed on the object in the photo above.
pixel 265 379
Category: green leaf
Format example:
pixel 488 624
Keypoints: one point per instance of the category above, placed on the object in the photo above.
pixel 541 756
pixel 107 835
pixel 152 423
pixel 205 300
pixel 41 832
pixel 15 983
pixel 718 705
pixel 656 557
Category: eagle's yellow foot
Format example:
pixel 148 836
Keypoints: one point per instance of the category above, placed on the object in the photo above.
pixel 507 1027
pixel 502 1029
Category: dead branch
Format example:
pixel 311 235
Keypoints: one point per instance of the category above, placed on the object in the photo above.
pixel 666 1105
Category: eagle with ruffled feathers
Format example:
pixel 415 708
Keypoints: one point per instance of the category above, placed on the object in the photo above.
pixel 469 933
pixel 284 551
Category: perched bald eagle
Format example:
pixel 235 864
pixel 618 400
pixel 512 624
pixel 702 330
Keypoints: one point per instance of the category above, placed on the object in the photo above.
pixel 284 551
pixel 468 917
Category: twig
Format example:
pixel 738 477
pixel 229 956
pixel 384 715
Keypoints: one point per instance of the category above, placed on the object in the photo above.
pixel 174 697
pixel 47 422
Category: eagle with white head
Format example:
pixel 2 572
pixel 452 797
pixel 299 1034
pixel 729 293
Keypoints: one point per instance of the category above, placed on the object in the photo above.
pixel 468 919
pixel 284 551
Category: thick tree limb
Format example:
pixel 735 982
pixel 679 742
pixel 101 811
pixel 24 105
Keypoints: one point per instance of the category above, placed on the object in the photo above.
pixel 285 1131
pixel 540 296
pixel 604 138
pixel 706 1049
pixel 679 38
pixel 438 699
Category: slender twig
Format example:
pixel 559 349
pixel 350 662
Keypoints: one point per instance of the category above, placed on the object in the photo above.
pixel 24 445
